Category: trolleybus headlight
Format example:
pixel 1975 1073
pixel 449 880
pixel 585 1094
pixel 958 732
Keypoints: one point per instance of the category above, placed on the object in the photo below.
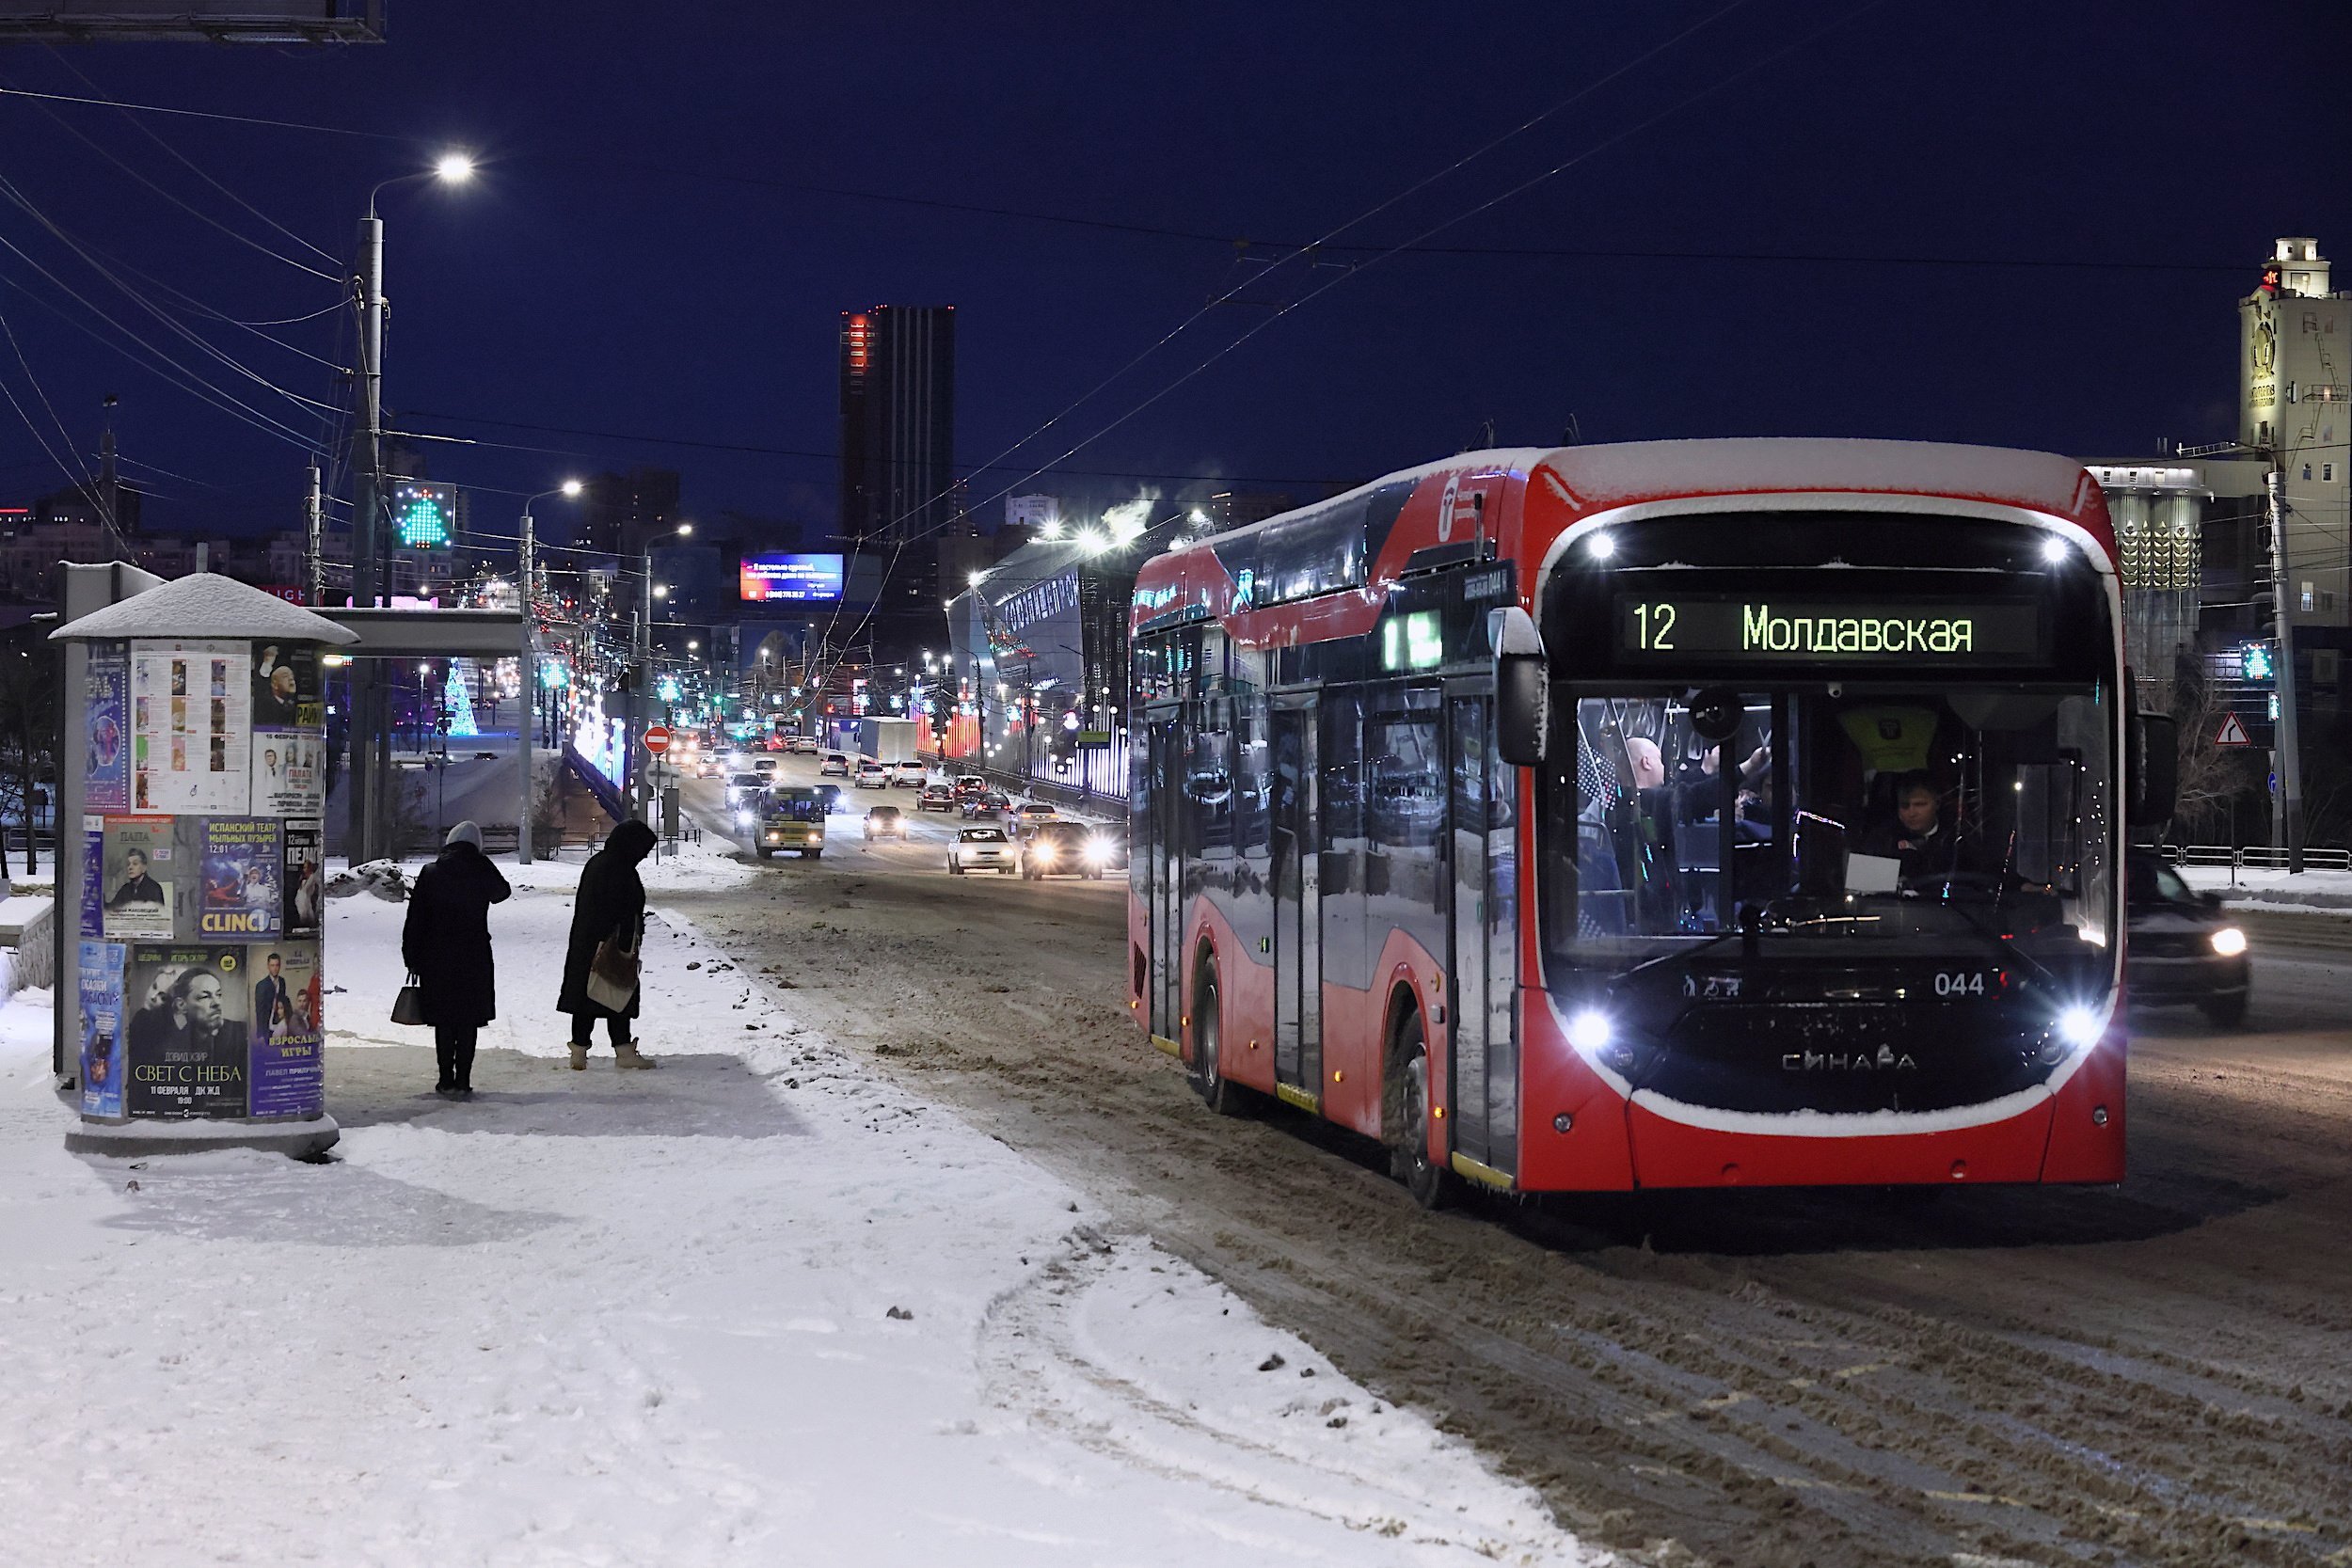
pixel 1590 1031
pixel 2080 1027
pixel 1601 546
pixel 2229 942
pixel 2054 549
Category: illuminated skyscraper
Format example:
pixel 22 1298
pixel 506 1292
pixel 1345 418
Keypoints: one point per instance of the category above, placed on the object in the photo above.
pixel 899 444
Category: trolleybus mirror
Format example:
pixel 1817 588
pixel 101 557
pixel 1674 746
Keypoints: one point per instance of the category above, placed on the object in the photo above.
pixel 1522 686
pixel 2155 768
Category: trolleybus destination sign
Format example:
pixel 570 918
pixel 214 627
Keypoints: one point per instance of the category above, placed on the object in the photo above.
pixel 1673 627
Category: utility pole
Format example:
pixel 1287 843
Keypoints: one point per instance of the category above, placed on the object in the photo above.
pixel 314 541
pixel 2286 801
pixel 369 737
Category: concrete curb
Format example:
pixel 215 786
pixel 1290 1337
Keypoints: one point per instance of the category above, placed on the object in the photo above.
pixel 296 1140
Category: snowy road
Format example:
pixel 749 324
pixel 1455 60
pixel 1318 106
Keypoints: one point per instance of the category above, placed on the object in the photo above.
pixel 2153 1376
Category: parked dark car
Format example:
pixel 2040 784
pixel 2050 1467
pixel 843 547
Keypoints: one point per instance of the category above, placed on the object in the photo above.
pixel 2182 944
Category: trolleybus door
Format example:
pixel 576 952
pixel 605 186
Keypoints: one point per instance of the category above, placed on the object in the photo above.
pixel 1297 913
pixel 1164 899
pixel 1481 964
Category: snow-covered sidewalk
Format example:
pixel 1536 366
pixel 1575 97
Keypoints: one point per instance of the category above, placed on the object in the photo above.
pixel 758 1307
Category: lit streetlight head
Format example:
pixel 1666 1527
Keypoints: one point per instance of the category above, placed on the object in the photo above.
pixel 453 169
pixel 979 578
pixel 572 487
pixel 686 531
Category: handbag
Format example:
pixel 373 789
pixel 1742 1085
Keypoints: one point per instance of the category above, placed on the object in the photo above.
pixel 408 1006
pixel 612 974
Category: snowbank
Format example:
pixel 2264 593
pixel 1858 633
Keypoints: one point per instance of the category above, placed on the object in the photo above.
pixel 758 1307
pixel 2313 892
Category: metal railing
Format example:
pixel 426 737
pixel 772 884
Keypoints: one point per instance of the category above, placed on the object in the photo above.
pixel 2260 857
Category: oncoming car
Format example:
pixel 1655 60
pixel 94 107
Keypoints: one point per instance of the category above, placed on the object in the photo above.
pixel 2180 944
pixel 743 788
pixel 1064 849
pixel 979 850
pixel 886 822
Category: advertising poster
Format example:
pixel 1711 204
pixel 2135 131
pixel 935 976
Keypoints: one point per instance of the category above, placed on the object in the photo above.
pixel 93 869
pixel 289 1058
pixel 188 1031
pixel 289 717
pixel 137 871
pixel 104 1064
pixel 304 879
pixel 191 705
pixel 239 896
pixel 106 718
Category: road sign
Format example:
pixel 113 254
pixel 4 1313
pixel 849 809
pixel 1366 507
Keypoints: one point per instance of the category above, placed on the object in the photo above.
pixel 658 739
pixel 2232 733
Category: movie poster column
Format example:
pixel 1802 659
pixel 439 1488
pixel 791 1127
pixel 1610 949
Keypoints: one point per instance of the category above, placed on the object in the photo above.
pixel 288 787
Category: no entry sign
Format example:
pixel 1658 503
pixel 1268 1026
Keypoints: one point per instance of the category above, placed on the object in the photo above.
pixel 658 739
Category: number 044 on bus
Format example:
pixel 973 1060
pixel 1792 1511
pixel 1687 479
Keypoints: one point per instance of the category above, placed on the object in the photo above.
pixel 1679 814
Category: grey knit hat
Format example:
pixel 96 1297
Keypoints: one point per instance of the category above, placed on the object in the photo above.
pixel 465 833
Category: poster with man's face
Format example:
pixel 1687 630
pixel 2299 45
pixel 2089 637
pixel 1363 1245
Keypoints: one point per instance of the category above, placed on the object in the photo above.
pixel 137 873
pixel 190 1011
pixel 289 732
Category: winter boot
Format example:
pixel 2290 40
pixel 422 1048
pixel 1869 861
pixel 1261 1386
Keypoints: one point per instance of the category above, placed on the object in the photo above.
pixel 580 1058
pixel 628 1056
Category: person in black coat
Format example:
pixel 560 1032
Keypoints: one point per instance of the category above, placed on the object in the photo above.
pixel 446 943
pixel 612 903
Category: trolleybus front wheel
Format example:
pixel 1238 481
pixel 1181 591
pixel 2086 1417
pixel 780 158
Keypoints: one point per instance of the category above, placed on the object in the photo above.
pixel 1431 1184
pixel 1218 1092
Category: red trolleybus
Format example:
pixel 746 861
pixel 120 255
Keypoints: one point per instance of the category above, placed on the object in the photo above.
pixel 1674 815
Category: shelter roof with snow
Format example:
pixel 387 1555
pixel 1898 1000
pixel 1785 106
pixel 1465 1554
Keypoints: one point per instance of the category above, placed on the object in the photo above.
pixel 205 603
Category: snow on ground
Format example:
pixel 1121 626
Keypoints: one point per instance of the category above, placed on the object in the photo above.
pixel 2322 890
pixel 758 1307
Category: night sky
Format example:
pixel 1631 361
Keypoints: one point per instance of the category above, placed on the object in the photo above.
pixel 663 236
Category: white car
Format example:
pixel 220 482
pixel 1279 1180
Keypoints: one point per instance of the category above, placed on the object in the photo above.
pixel 981 850
pixel 908 775
pixel 872 775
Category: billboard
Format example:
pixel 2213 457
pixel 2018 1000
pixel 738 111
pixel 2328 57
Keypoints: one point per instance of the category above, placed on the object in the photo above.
pixel 791 578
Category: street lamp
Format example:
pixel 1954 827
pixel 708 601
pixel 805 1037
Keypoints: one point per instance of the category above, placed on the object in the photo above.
pixel 370 737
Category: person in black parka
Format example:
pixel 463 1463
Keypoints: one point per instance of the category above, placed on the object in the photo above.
pixel 446 944
pixel 612 902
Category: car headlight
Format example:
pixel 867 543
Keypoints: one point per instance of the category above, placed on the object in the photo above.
pixel 1097 850
pixel 1044 852
pixel 2229 942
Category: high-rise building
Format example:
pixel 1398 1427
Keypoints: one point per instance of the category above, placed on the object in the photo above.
pixel 898 462
pixel 898 422
pixel 2294 368
pixel 620 512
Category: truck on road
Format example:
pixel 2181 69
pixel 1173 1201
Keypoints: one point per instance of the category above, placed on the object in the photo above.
pixel 887 739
